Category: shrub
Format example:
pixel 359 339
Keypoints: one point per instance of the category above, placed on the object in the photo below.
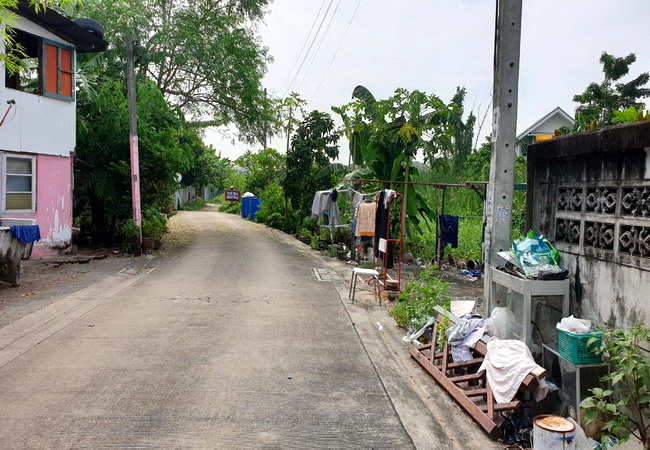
pixel 231 207
pixel 154 224
pixel 627 405
pixel 419 298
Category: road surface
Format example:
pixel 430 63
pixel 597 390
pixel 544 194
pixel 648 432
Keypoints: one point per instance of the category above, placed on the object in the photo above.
pixel 238 340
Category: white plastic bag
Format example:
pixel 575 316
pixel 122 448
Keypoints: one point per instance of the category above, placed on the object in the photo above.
pixel 502 324
pixel 573 325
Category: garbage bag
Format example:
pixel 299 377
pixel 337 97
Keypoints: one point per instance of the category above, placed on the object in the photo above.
pixel 573 325
pixel 503 324
pixel 517 430
pixel 534 257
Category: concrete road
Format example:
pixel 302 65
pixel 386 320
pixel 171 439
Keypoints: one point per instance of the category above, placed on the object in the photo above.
pixel 241 340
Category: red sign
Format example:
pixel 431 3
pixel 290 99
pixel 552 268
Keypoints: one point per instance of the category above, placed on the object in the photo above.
pixel 232 195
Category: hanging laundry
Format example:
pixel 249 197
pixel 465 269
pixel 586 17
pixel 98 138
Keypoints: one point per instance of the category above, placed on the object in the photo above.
pixel 449 230
pixel 325 205
pixel 365 224
pixel 382 230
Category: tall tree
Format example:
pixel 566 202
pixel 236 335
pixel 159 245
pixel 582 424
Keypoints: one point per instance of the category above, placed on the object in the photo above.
pixel 263 168
pixel 386 134
pixel 102 181
pixel 204 56
pixel 599 101
pixel 312 148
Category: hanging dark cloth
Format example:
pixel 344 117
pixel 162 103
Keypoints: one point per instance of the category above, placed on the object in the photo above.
pixel 382 225
pixel 449 230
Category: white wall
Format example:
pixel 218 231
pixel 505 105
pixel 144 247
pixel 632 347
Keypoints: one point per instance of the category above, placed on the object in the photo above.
pixel 36 124
pixel 554 123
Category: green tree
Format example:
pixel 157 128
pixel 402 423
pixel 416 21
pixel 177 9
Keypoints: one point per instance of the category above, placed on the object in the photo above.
pixel 386 134
pixel 207 168
pixel 102 182
pixel 203 55
pixel 313 147
pixel 599 101
pixel 292 111
pixel 263 168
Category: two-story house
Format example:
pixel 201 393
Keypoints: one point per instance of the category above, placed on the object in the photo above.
pixel 38 132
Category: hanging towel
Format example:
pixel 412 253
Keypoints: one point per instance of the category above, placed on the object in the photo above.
pixel 26 233
pixel 449 230
pixel 365 225
pixel 325 205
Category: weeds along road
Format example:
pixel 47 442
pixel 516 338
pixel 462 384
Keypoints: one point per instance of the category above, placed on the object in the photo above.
pixel 230 342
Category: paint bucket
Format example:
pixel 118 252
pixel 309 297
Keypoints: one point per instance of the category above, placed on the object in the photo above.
pixel 553 433
pixel 473 265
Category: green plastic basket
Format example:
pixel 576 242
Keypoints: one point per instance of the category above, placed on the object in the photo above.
pixel 574 347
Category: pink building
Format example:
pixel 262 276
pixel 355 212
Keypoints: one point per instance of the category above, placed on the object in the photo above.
pixel 38 133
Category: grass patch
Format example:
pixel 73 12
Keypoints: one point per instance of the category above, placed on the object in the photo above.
pixel 196 205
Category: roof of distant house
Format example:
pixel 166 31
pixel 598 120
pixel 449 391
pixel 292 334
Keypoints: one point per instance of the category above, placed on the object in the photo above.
pixel 84 41
pixel 556 111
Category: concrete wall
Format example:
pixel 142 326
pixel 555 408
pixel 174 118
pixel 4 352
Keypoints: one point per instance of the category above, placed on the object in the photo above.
pixel 590 194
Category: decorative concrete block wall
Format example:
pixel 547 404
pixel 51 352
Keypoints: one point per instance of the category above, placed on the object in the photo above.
pixel 589 193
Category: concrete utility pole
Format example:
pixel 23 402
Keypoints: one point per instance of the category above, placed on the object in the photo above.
pixel 133 140
pixel 504 129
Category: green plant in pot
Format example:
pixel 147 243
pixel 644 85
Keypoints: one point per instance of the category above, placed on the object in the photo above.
pixel 131 233
pixel 154 225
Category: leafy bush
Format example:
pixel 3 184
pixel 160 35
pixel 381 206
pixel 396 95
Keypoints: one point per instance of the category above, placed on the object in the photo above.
pixel 231 207
pixel 272 211
pixel 154 224
pixel 419 298
pixel 130 230
pixel 626 406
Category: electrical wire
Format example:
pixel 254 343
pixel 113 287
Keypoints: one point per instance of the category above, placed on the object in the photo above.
pixel 320 43
pixel 335 53
pixel 302 63
pixel 304 44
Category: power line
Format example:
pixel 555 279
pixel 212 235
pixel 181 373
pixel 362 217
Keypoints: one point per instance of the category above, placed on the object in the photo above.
pixel 310 45
pixel 303 45
pixel 337 52
pixel 320 43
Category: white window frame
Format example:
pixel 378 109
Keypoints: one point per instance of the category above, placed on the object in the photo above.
pixel 3 173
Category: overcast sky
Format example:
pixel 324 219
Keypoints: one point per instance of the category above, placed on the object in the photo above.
pixel 436 45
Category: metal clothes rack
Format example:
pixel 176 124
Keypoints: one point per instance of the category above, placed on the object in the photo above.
pixel 385 276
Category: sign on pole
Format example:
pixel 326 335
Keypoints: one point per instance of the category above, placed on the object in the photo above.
pixel 232 195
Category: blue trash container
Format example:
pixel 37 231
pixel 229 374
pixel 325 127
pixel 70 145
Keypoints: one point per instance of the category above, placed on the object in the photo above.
pixel 250 206
pixel 254 206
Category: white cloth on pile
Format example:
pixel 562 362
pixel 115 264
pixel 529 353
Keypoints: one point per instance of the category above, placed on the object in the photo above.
pixel 506 364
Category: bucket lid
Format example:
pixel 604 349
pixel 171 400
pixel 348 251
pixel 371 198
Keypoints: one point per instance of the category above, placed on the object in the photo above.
pixel 554 423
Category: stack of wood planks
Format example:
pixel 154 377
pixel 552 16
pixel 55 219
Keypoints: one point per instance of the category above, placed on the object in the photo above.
pixel 470 390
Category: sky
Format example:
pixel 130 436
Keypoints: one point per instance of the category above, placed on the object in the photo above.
pixel 434 46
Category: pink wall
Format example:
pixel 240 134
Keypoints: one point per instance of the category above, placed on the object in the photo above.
pixel 53 205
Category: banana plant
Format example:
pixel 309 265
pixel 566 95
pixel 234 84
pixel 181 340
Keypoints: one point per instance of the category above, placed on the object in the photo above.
pixel 385 135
